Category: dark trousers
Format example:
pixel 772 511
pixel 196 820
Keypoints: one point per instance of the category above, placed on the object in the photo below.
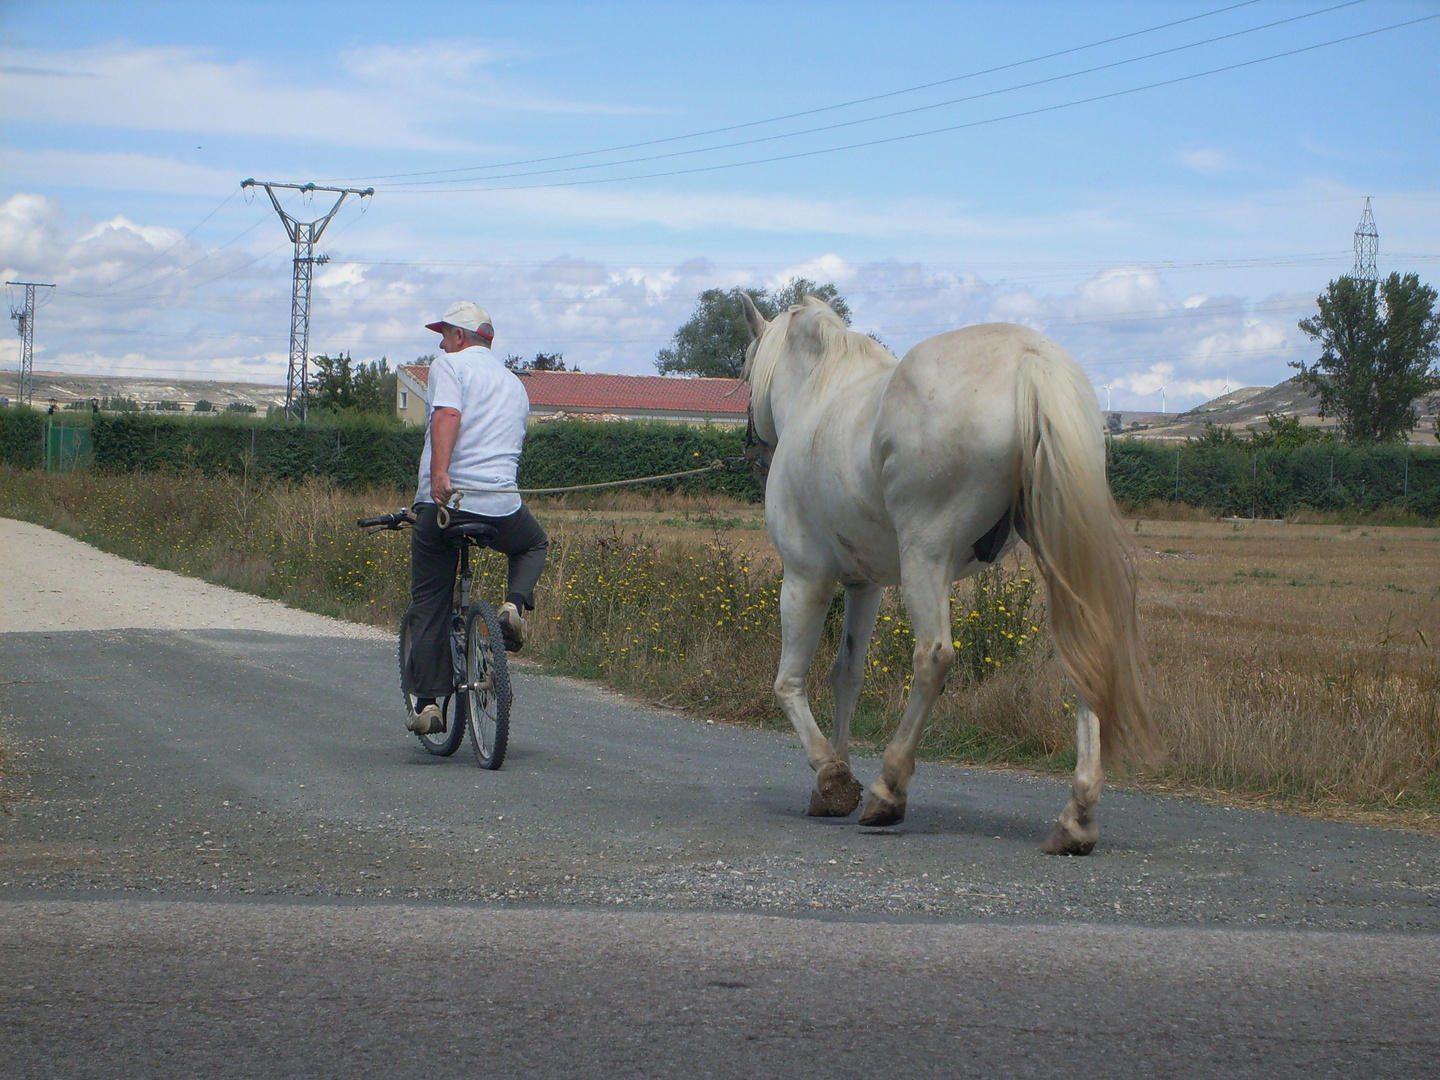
pixel 433 562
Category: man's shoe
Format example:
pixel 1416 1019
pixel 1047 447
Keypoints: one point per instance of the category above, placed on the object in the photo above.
pixel 428 721
pixel 512 626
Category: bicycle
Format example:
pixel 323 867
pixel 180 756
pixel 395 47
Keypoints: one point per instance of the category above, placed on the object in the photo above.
pixel 481 699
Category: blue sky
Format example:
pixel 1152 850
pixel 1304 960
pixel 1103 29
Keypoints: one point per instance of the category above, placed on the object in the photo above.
pixel 1168 235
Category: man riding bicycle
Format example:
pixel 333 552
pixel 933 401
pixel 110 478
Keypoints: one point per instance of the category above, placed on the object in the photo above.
pixel 477 414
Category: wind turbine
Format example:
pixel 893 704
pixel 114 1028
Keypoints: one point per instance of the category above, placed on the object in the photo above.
pixel 1162 401
pixel 1107 396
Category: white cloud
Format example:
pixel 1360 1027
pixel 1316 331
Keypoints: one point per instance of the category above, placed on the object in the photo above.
pixel 1127 289
pixel 138 298
pixel 1206 160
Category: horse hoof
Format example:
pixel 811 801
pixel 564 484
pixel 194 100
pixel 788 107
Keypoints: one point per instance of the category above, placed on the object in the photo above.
pixel 836 793
pixel 881 812
pixel 1063 842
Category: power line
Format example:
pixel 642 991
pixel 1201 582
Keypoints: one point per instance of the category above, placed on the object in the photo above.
pixel 814 111
pixel 1040 110
pixel 884 116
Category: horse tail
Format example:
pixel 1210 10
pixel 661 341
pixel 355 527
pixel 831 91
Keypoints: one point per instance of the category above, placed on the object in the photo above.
pixel 1072 523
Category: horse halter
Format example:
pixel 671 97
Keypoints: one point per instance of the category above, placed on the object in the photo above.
pixel 757 451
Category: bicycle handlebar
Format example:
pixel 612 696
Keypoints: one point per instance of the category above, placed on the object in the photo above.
pixel 397 520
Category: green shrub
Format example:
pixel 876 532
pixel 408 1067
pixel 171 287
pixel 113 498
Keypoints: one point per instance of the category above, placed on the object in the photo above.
pixel 22 437
pixel 363 450
pixel 1276 480
pixel 564 453
pixel 354 451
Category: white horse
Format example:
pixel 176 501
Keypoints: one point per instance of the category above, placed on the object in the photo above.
pixel 920 472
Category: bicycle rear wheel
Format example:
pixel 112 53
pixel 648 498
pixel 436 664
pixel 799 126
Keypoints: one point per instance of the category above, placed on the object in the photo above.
pixel 487 686
pixel 440 743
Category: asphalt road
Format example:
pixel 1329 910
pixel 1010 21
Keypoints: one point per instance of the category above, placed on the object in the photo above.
pixel 232 859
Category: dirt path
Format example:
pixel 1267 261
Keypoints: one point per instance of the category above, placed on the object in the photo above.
pixel 50 581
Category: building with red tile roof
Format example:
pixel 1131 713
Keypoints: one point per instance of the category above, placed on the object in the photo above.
pixel 554 394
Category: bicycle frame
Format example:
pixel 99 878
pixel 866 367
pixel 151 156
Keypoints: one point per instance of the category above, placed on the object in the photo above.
pixel 482 699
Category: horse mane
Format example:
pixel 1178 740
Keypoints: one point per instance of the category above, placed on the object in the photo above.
pixel 831 340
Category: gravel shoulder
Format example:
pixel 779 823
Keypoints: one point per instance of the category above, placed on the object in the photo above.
pixel 50 581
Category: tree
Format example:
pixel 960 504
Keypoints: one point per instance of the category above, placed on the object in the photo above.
pixel 374 387
pixel 1211 435
pixel 333 384
pixel 543 362
pixel 202 405
pixel 1379 344
pixel 714 339
pixel 341 385
pixel 1284 430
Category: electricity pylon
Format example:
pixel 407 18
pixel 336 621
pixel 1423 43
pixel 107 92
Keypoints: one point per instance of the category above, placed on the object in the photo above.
pixel 25 325
pixel 304 235
pixel 1367 246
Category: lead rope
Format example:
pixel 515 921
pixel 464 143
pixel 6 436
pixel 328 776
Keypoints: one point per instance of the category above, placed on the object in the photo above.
pixel 719 465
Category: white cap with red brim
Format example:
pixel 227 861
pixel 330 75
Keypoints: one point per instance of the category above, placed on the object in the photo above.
pixel 467 315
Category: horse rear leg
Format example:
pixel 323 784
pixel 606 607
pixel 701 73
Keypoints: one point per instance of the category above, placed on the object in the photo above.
pixel 803 605
pixel 847 674
pixel 926 586
pixel 1076 831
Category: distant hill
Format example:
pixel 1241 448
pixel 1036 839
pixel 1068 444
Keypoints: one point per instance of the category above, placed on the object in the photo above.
pixel 1246 408
pixel 63 389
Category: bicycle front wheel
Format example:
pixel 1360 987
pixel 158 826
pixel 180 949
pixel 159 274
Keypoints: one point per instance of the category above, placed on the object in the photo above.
pixel 440 743
pixel 487 686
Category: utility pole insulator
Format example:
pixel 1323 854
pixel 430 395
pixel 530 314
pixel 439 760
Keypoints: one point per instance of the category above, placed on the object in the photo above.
pixel 25 326
pixel 304 235
pixel 1367 246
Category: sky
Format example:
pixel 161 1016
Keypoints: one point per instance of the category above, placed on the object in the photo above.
pixel 1163 188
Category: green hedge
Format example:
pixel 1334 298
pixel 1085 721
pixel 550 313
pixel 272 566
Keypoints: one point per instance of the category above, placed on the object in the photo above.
pixel 22 437
pixel 370 451
pixel 562 453
pixel 364 451
pixel 1277 481
pixel 355 451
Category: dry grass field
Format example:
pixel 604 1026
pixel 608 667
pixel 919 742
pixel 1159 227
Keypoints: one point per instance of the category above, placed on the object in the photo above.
pixel 1301 653
pixel 1293 664
pixel 1290 662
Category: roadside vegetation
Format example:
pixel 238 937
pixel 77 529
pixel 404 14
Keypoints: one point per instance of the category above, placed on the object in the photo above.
pixel 1293 664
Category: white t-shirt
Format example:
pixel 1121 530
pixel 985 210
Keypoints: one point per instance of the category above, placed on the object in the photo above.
pixel 494 409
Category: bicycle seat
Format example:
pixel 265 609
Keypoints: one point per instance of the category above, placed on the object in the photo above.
pixel 462 532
